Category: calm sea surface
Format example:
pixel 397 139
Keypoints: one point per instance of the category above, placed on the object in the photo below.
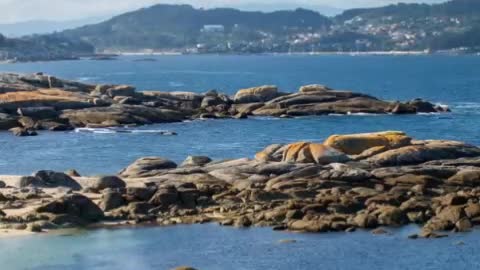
pixel 454 81
pixel 211 247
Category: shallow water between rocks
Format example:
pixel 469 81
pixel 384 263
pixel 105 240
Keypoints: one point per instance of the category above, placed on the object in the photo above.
pixel 214 247
pixel 454 81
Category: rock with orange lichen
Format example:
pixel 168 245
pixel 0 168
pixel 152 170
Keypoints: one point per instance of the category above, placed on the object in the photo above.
pixel 304 152
pixel 56 98
pixel 354 144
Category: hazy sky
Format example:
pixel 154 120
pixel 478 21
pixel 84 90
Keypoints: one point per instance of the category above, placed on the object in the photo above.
pixel 24 10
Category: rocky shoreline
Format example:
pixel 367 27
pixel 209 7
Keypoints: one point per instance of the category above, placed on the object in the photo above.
pixel 349 182
pixel 31 102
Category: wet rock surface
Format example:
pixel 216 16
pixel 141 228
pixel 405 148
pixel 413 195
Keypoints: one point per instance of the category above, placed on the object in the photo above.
pixel 38 101
pixel 382 179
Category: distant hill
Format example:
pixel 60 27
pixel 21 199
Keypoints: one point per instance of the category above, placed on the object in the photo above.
pixel 269 7
pixel 401 27
pixel 174 26
pixel 454 8
pixel 25 28
pixel 452 26
pixel 41 48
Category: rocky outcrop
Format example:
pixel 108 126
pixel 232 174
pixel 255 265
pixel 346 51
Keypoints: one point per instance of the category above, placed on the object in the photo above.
pixel 300 187
pixel 43 102
pixel 120 114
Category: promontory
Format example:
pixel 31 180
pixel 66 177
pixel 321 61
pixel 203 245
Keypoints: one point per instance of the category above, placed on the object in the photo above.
pixel 31 102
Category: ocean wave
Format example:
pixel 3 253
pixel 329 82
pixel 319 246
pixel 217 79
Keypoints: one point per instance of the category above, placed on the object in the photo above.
pixel 430 113
pixel 87 79
pixel 124 130
pixel 467 105
pixel 176 84
pixel 204 72
pixel 122 73
pixel 364 114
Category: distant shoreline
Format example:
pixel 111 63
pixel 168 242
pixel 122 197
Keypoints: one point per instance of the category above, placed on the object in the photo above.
pixel 113 55
pixel 274 53
pixel 379 53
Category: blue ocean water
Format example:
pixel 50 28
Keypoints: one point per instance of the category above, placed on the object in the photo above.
pixel 454 81
pixel 211 247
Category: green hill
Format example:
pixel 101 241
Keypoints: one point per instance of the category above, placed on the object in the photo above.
pixel 174 26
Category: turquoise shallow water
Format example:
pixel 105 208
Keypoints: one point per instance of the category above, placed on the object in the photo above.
pixel 454 81
pixel 219 248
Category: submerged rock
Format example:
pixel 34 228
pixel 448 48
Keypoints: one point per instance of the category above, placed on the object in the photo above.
pixel 108 181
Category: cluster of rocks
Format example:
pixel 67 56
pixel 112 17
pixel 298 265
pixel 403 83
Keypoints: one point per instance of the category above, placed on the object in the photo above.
pixel 348 182
pixel 42 102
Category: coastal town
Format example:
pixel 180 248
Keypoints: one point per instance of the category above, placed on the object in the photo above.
pixel 399 29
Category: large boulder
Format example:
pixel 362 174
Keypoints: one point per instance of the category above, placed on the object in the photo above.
pixel 256 94
pixel 165 197
pixel 179 99
pixel 422 106
pixel 196 161
pixel 107 181
pixel 120 90
pixel 303 152
pixel 27 181
pixel 424 151
pixel 56 179
pixel 272 152
pixel 355 144
pixel 147 167
pixel 335 105
pixel 465 178
pixel 74 205
pixel 111 200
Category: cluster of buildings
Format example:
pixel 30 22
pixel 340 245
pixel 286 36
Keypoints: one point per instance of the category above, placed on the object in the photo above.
pixel 357 34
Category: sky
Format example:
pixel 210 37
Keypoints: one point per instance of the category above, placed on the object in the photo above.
pixel 65 10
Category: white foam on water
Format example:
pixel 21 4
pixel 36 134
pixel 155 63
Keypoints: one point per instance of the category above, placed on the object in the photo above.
pixel 87 79
pixel 125 130
pixel 467 105
pixel 176 84
pixel 364 114
pixel 95 130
